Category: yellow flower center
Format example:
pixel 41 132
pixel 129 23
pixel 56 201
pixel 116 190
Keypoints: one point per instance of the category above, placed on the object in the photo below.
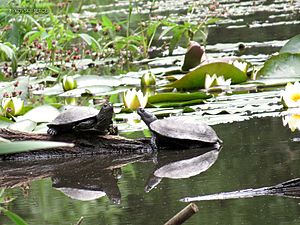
pixel 296 116
pixel 295 97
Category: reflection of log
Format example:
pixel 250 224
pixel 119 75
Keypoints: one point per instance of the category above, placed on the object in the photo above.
pixel 85 143
pixel 18 173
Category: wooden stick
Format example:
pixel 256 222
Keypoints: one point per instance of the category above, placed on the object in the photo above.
pixel 79 221
pixel 183 215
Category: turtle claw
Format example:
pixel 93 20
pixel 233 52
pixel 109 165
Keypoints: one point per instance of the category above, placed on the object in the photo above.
pixel 51 132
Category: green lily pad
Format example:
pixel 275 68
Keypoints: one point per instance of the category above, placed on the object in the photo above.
pixel 292 46
pixel 176 97
pixel 45 113
pixel 91 90
pixel 25 146
pixel 23 125
pixel 196 78
pixel 177 104
pixel 90 80
pixel 281 66
pixel 4 122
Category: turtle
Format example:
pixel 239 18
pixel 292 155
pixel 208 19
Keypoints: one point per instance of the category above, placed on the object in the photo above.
pixel 178 132
pixel 81 119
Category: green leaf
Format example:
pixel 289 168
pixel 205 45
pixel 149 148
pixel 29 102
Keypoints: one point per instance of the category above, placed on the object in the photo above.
pixel 196 78
pixel 106 22
pixel 281 66
pixel 90 41
pixel 25 146
pixel 13 217
pixel 177 104
pixel 177 97
pixel 10 53
pixel 292 46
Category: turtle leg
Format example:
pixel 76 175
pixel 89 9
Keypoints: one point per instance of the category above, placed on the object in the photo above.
pixel 52 131
pixel 113 130
pixel 85 125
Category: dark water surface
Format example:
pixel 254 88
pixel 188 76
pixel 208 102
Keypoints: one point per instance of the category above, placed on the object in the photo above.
pixel 256 153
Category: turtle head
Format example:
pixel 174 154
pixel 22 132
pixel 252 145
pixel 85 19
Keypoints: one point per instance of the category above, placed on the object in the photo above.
pixel 147 117
pixel 106 112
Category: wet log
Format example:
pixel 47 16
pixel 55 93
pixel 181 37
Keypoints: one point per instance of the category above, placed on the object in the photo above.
pixel 84 144
pixel 183 215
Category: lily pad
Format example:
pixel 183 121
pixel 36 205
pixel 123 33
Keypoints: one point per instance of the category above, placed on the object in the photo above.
pixel 177 97
pixel 25 146
pixel 196 78
pixel 40 114
pixel 292 46
pixel 4 122
pixel 90 80
pixel 23 125
pixel 90 90
pixel 281 66
pixel 177 104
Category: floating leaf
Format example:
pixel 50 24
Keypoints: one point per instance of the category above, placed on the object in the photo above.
pixel 90 80
pixel 45 113
pixel 281 66
pixel 4 122
pixel 177 104
pixel 23 125
pixel 177 97
pixel 55 90
pixel 292 46
pixel 196 78
pixel 91 90
pixel 25 146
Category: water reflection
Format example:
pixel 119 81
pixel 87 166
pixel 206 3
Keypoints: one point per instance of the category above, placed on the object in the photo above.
pixel 182 164
pixel 82 179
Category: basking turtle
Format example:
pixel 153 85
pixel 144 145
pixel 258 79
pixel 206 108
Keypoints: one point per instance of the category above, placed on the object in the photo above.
pixel 178 132
pixel 82 118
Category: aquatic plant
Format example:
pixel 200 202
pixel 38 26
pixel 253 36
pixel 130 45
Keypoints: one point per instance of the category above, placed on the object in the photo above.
pixel 134 99
pixel 291 95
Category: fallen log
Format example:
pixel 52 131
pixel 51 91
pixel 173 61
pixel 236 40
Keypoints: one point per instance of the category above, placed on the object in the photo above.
pixel 84 144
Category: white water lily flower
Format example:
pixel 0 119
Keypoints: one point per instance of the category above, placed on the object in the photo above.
pixel 243 66
pixel 12 106
pixel 215 80
pixel 134 99
pixel 292 120
pixel 291 95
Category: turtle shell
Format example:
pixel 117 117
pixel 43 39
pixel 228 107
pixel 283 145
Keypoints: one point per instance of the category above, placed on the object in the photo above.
pixel 184 129
pixel 75 114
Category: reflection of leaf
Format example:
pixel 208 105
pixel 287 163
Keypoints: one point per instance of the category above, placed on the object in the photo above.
pixel 283 65
pixel 25 146
pixel 292 46
pixel 196 78
pixel 175 97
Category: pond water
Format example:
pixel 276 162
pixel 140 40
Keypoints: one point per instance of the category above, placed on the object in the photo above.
pixel 256 153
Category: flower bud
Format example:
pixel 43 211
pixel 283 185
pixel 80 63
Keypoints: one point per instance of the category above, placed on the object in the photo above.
pixel 148 79
pixel 69 83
